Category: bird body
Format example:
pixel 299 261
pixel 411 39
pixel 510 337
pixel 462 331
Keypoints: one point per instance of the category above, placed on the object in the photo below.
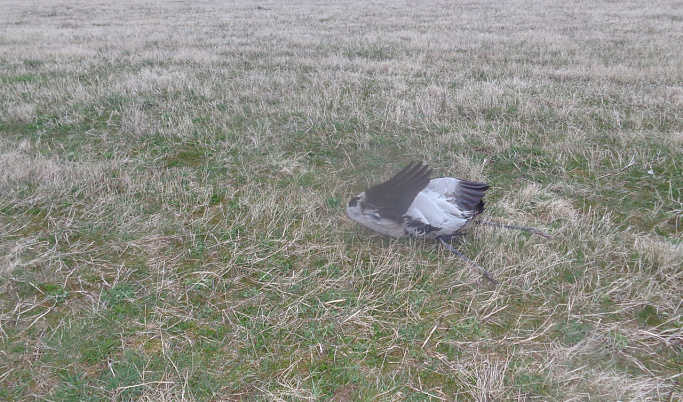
pixel 411 205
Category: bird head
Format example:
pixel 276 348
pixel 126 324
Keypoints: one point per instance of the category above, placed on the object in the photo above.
pixel 355 207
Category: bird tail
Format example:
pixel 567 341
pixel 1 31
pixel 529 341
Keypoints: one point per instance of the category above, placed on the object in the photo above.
pixel 470 196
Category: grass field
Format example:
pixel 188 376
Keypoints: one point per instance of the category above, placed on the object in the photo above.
pixel 173 176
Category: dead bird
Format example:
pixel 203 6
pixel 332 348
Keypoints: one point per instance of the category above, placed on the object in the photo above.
pixel 410 204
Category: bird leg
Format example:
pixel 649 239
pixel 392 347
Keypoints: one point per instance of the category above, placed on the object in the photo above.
pixel 527 229
pixel 479 268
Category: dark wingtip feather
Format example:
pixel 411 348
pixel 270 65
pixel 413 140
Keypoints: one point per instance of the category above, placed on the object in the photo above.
pixel 472 194
pixel 393 197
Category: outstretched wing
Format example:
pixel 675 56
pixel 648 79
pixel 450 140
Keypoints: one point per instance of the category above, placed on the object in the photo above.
pixel 391 199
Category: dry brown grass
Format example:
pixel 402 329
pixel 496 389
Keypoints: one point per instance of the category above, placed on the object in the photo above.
pixel 173 174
